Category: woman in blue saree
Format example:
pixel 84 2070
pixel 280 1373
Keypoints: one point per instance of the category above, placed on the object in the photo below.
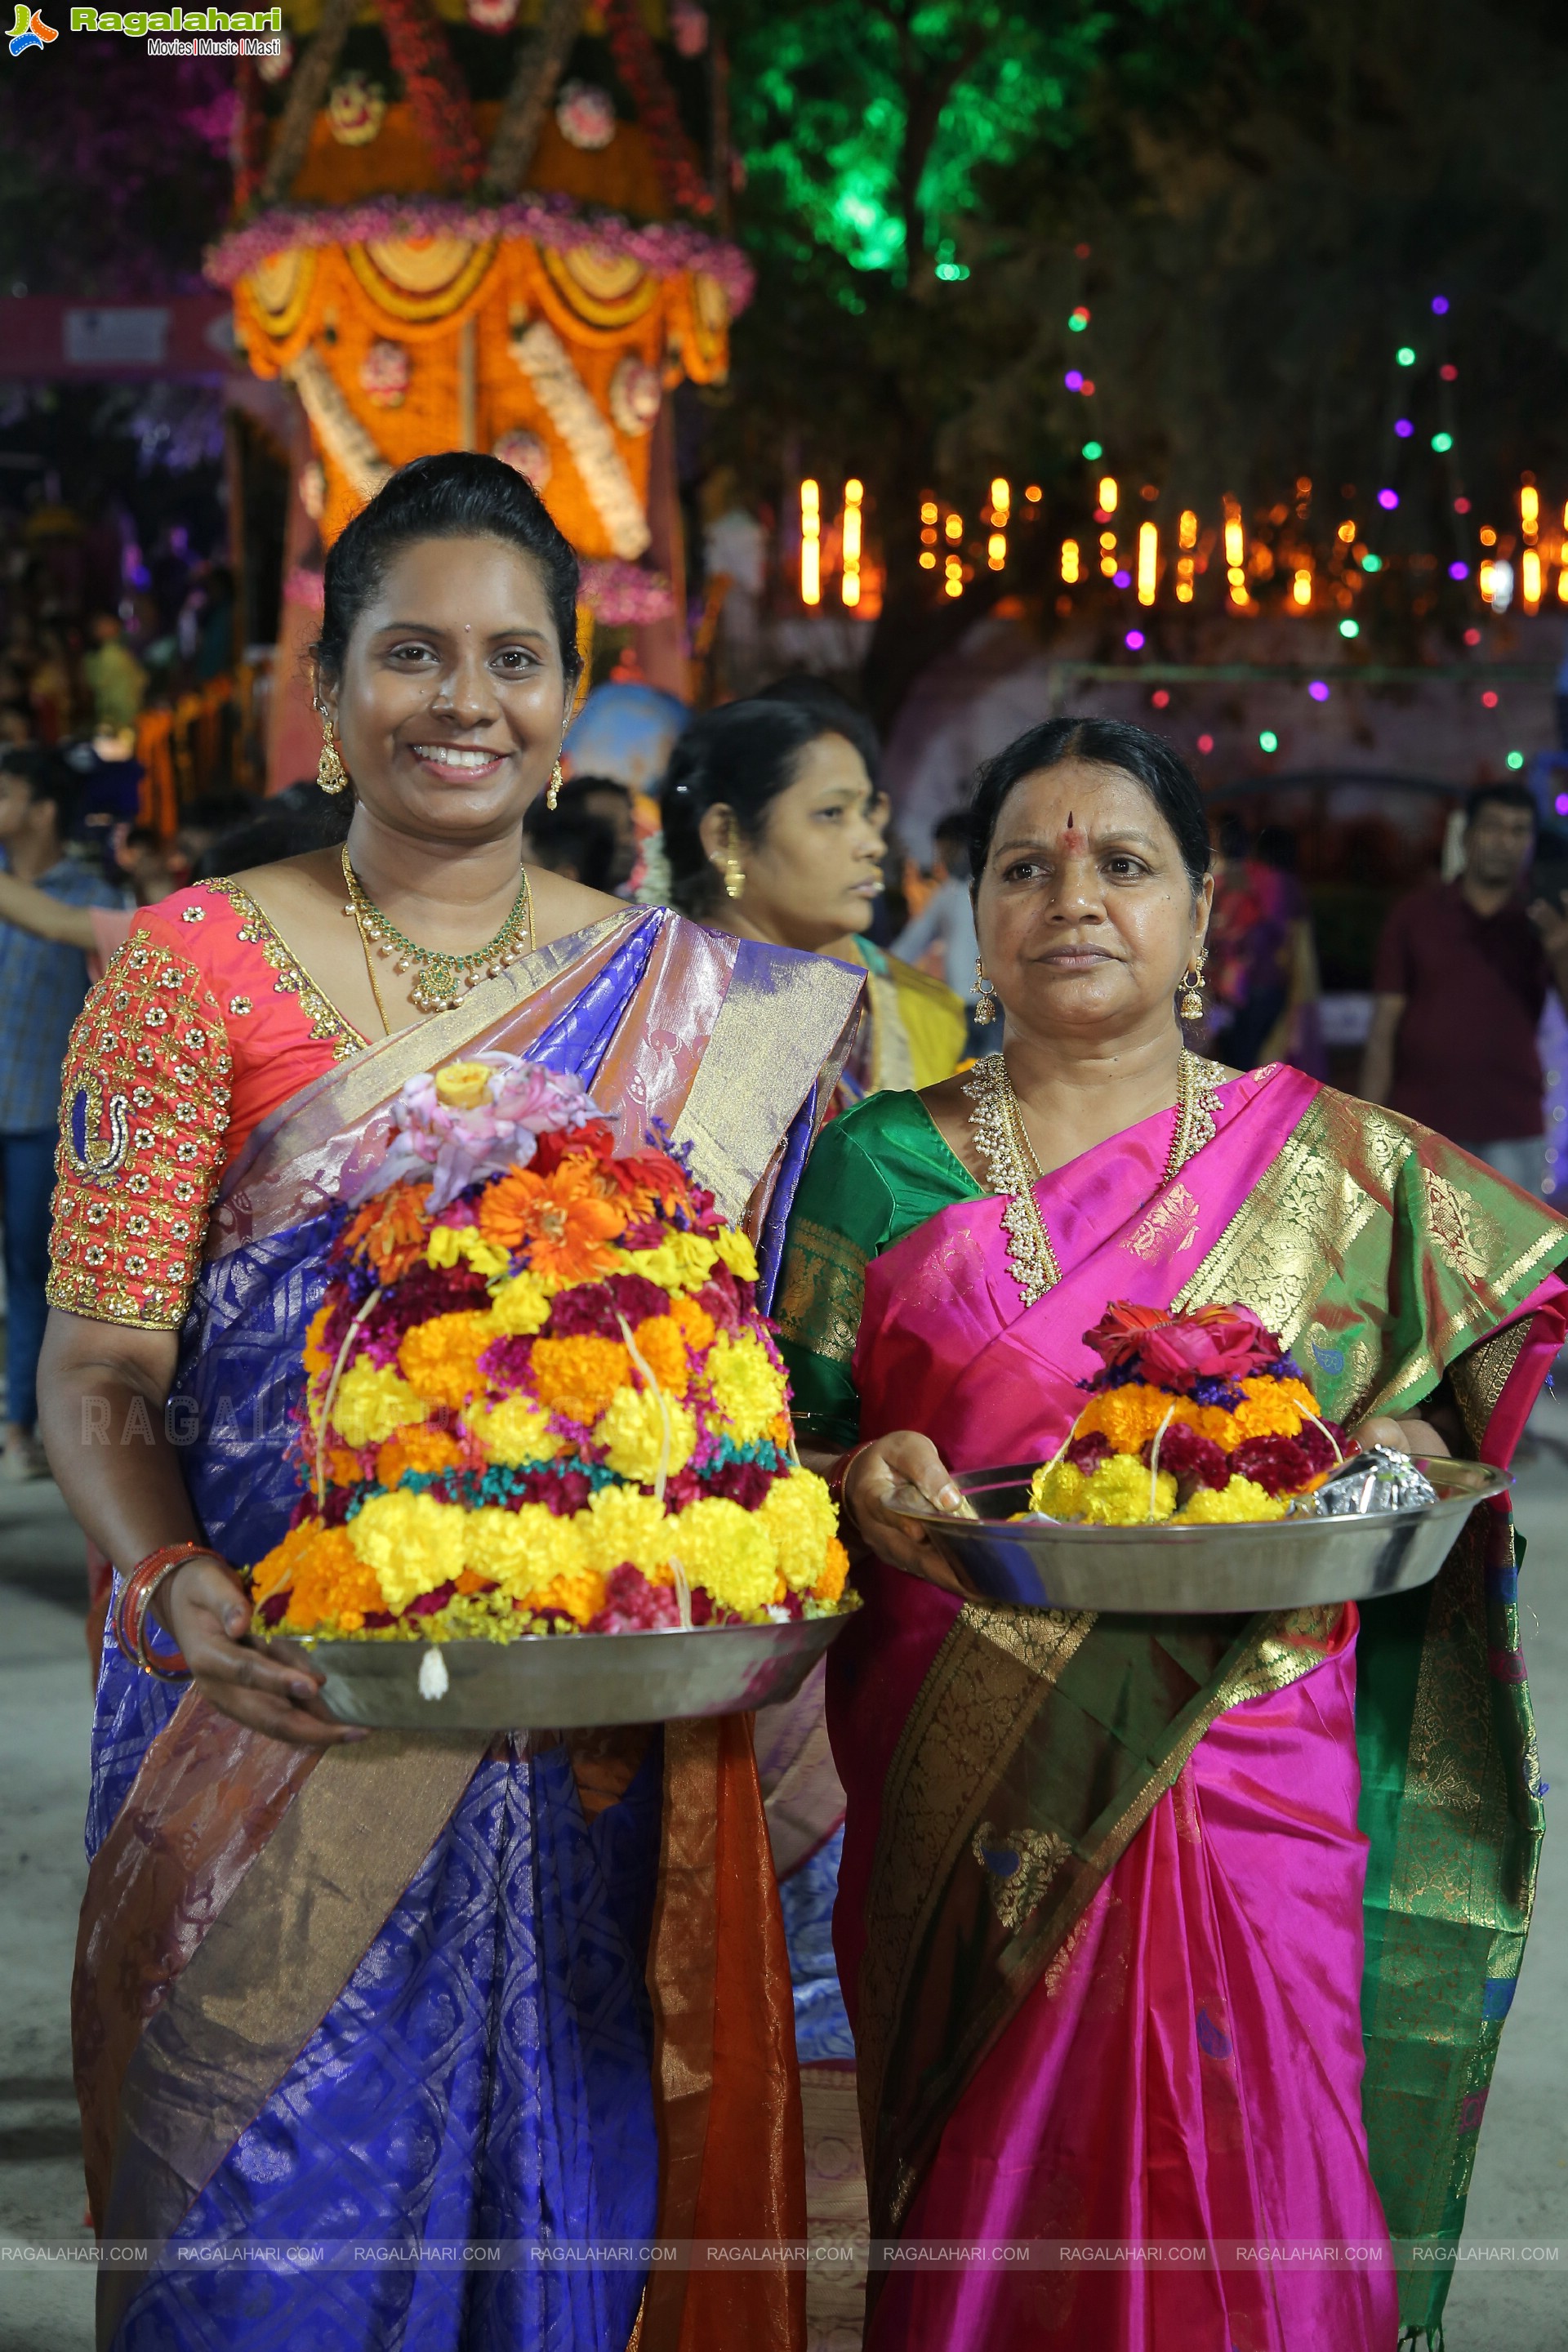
pixel 358 1995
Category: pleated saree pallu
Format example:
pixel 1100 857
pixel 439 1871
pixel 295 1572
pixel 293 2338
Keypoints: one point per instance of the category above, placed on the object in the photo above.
pixel 461 1989
pixel 1194 1930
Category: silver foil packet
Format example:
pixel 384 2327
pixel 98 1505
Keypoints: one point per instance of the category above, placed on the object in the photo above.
pixel 1378 1480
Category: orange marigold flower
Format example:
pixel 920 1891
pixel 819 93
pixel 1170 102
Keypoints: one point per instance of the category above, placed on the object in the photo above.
pixel 343 1467
pixel 662 1344
pixel 780 1431
pixel 578 1376
pixel 418 1448
pixel 1128 1416
pixel 565 1221
pixel 829 1584
pixel 580 1592
pixel 1273 1408
pixel 471 1581
pixel 390 1230
pixel 316 1358
pixel 695 1321
pixel 440 1359
pixel 327 1584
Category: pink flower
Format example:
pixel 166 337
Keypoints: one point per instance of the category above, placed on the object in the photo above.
pixel 1171 1351
pixel 472 1119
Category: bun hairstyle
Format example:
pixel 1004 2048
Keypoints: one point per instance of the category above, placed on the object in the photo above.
pixel 457 494
pixel 1108 743
pixel 740 757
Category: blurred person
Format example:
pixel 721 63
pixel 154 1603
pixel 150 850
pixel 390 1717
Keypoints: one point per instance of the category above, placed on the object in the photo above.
pixel 1461 983
pixel 115 679
pixel 43 982
pixel 609 802
pixel 571 843
pixel 1262 973
pixel 49 689
pixel 947 918
pixel 202 819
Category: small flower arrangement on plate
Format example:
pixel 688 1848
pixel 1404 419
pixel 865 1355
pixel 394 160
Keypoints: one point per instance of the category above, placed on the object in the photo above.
pixel 1198 1419
pixel 540 1396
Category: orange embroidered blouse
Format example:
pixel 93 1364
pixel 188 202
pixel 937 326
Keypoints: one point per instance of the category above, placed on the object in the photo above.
pixel 203 1023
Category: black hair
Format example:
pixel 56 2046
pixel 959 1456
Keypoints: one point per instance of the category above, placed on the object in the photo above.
pixel 742 756
pixel 844 718
pixel 1504 796
pixel 566 838
pixel 578 789
pixel 456 495
pixel 275 833
pixel 1107 743
pixel 46 777
pixel 951 834
pixel 1234 840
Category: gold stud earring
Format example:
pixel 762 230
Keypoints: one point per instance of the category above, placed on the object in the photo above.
pixel 734 876
pixel 330 773
pixel 552 790
pixel 984 997
pixel 1191 1007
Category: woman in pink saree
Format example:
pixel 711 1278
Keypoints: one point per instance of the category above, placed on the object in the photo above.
pixel 1195 1929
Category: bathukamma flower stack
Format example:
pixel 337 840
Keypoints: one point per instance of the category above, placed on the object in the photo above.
pixel 1198 1419
pixel 540 1396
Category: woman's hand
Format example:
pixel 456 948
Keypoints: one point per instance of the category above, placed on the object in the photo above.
pixel 1411 1436
pixel 204 1607
pixel 903 1459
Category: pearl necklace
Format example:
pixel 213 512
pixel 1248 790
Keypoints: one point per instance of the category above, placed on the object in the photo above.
pixel 439 979
pixel 1002 1141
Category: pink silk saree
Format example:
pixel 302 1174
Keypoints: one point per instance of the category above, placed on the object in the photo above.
pixel 1162 2036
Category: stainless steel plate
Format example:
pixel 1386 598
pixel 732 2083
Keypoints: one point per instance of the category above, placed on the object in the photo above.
pixel 557 1682
pixel 1160 1571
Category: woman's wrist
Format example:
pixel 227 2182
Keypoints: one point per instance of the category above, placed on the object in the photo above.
pixel 152 1579
pixel 837 1477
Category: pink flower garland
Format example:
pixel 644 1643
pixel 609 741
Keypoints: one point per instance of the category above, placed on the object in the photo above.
pixel 636 62
pixel 436 90
pixel 624 595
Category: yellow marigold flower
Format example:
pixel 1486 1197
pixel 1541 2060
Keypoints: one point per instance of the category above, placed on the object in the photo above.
pixel 735 1249
pixel 417 1449
pixel 522 1305
pixel 695 1321
pixel 829 1585
pixel 683 1262
pixel 632 1429
pixel 441 1357
pixel 581 1593
pixel 316 1357
pixel 1128 1416
pixel 662 1344
pixel 1273 1408
pixel 748 1388
pixel 412 1542
pixel 371 1402
pixel 521 1550
pixel 578 1377
pixel 1058 1491
pixel 1213 1420
pixel 330 1586
pixel 465 1245
pixel 726 1551
pixel 1242 1499
pixel 514 1432
pixel 622 1524
pixel 463 1086
pixel 1119 1494
pixel 798 1514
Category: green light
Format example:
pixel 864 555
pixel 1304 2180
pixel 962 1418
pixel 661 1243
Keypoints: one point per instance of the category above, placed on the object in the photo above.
pixel 949 271
pixel 1442 443
pixel 1371 562
pixel 1349 628
pixel 1092 450
pixel 1078 322
pixel 1405 355
pixel 1269 741
pixel 1516 758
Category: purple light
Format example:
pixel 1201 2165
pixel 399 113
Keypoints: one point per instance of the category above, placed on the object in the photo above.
pixel 1318 690
pixel 1404 427
pixel 1439 306
pixel 1122 580
pixel 1134 638
pixel 1459 571
pixel 1074 379
pixel 1561 804
pixel 1388 500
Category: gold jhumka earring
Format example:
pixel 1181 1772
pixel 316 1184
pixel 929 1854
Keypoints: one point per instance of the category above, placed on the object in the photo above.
pixel 1191 1007
pixel 552 790
pixel 330 773
pixel 984 997
pixel 734 876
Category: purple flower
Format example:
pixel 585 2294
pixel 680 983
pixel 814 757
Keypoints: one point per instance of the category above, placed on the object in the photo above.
pixel 507 1362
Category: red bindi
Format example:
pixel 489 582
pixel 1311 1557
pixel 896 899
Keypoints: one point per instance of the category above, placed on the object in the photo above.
pixel 1073 841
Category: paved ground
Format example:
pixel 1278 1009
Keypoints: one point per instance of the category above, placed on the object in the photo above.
pixel 1522 2176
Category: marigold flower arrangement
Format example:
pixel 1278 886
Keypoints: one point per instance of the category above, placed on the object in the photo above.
pixel 1198 1419
pixel 540 1396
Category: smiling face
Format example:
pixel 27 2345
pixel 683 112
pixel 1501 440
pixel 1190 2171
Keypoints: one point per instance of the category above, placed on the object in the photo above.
pixel 815 871
pixel 452 700
pixel 1086 916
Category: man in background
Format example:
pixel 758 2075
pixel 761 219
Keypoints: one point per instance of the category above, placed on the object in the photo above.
pixel 42 985
pixel 1462 977
pixel 947 918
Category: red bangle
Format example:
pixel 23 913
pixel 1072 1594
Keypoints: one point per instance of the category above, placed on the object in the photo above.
pixel 840 1472
pixel 129 1620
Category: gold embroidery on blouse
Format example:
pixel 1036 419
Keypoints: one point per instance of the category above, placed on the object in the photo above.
pixel 257 930
pixel 824 1291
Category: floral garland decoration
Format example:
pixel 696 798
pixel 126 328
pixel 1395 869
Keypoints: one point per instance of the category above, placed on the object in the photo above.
pixel 636 62
pixel 624 596
pixel 418 43
pixel 566 399
pixel 540 1397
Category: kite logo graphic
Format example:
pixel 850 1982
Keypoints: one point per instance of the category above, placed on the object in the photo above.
pixel 30 31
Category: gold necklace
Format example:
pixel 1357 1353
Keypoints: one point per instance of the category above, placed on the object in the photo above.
pixel 1012 1166
pixel 439 979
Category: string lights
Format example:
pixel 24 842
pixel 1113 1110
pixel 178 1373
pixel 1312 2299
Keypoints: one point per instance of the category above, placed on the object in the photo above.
pixel 810 543
pixel 1148 561
pixel 850 584
pixel 1072 566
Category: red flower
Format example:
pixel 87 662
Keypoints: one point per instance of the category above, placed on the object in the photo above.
pixel 1087 1453
pixel 1192 1460
pixel 1280 1465
pixel 1171 1351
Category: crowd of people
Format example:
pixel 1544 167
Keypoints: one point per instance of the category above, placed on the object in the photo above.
pixel 1138 1003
